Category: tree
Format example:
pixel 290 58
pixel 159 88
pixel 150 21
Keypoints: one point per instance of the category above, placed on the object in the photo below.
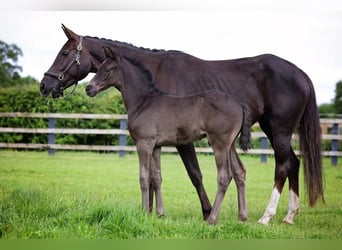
pixel 326 108
pixel 338 98
pixel 9 70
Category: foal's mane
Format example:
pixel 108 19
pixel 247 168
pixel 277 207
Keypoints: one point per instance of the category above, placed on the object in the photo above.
pixel 147 74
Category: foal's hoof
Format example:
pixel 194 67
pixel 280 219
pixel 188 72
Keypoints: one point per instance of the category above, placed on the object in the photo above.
pixel 243 218
pixel 212 221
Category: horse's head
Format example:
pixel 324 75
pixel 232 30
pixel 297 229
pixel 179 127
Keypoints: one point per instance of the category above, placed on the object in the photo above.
pixel 71 65
pixel 108 74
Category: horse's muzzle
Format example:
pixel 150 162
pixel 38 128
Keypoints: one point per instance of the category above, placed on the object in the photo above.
pixel 45 91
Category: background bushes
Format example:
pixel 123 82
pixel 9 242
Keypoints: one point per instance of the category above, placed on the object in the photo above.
pixel 27 98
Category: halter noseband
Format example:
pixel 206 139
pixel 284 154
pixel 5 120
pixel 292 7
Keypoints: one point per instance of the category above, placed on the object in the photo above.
pixel 60 76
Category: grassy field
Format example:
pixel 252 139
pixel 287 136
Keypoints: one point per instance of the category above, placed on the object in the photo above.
pixel 97 196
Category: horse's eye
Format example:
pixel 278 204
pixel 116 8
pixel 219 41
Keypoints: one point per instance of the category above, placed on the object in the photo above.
pixel 65 52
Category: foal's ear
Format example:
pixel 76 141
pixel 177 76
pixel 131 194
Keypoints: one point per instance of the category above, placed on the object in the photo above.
pixel 69 33
pixel 109 53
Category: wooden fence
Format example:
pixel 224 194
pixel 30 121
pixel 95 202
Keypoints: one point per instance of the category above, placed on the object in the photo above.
pixel 330 131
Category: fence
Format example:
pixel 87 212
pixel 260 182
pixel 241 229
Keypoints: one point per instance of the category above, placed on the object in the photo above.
pixel 332 125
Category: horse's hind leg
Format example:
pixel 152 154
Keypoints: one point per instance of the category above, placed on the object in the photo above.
pixel 188 155
pixel 239 175
pixel 157 181
pixel 293 209
pixel 287 165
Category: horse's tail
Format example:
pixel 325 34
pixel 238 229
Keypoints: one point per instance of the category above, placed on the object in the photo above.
pixel 310 146
pixel 245 136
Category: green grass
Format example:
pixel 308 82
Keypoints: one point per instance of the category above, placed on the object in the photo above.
pixel 82 195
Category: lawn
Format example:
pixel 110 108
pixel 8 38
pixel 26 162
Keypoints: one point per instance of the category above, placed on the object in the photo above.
pixel 82 195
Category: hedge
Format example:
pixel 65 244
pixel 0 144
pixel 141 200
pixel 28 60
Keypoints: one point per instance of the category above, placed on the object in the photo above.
pixel 27 98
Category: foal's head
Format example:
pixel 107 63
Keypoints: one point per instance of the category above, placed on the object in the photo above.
pixel 108 74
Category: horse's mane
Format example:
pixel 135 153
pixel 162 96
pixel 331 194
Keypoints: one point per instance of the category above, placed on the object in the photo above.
pixel 154 89
pixel 136 47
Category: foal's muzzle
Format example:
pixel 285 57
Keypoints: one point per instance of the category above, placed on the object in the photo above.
pixel 91 90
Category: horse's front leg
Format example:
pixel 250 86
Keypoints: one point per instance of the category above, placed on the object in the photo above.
pixel 188 156
pixel 144 149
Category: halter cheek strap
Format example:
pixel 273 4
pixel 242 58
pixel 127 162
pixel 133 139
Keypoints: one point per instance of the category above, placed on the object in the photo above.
pixel 60 76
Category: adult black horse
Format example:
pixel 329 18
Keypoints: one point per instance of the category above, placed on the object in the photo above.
pixel 275 93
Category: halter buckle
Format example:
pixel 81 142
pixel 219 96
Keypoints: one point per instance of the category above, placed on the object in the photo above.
pixel 60 77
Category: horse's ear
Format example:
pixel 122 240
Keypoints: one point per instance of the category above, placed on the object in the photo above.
pixel 69 33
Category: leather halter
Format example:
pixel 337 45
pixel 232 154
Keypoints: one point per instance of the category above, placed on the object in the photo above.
pixel 60 76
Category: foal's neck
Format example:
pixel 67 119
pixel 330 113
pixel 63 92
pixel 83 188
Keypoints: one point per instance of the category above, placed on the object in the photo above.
pixel 137 88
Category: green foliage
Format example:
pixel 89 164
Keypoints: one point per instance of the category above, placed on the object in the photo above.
pixel 9 70
pixel 27 98
pixel 338 98
pixel 326 108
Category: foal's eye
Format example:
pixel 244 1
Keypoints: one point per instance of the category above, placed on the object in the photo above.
pixel 109 68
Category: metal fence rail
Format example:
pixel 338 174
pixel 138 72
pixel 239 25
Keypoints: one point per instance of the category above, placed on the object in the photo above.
pixel 332 125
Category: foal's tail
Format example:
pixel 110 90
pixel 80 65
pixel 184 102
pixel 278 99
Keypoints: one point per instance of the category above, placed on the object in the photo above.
pixel 245 136
pixel 310 146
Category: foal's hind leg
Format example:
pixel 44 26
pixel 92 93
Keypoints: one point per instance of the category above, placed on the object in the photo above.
pixel 239 175
pixel 224 176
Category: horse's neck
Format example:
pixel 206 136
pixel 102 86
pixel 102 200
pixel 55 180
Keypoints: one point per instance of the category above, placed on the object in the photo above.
pixel 135 90
pixel 144 56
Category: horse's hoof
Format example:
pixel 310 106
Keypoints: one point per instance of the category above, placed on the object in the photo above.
pixel 289 222
pixel 263 221
pixel 206 215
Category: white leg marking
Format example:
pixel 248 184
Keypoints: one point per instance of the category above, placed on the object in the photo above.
pixel 271 207
pixel 293 207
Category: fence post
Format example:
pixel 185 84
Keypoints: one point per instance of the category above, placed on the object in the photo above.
pixel 263 157
pixel 122 137
pixel 51 136
pixel 334 144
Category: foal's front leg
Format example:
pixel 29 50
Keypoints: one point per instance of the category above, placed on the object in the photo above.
pixel 156 181
pixel 144 149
